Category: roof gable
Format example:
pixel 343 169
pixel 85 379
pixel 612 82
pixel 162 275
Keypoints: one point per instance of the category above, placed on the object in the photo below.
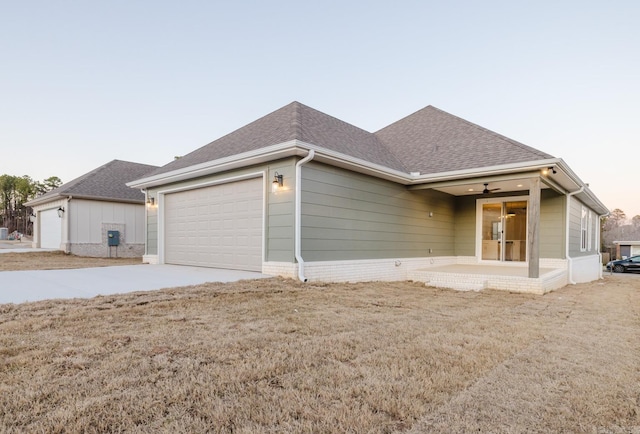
pixel 294 121
pixel 105 182
pixel 429 141
pixel 433 141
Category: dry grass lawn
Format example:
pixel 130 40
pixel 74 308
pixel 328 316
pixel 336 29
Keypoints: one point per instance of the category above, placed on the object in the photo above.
pixel 57 261
pixel 279 356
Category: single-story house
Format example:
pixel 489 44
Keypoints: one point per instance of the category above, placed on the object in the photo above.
pixel 625 249
pixel 431 197
pixel 77 216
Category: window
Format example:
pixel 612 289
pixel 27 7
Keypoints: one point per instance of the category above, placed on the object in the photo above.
pixel 583 230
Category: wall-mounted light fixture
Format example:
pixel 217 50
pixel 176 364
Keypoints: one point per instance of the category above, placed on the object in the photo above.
pixel 277 182
pixel 151 201
pixel 60 212
pixel 551 169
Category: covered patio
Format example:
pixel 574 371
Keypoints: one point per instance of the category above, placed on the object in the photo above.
pixel 476 277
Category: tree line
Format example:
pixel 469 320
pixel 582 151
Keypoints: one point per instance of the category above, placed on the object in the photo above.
pixel 15 191
pixel 616 227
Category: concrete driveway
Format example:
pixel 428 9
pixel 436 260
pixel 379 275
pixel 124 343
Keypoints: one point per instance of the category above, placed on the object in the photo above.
pixel 23 286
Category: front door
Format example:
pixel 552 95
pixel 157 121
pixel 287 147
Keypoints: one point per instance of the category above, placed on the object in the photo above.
pixel 503 229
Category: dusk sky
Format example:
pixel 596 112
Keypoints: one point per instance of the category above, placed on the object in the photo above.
pixel 83 83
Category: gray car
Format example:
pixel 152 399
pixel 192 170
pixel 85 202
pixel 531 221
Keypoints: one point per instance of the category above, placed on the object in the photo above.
pixel 623 265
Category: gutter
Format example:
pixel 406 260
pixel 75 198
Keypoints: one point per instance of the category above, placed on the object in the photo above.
pixel 299 148
pixel 298 217
pixel 566 242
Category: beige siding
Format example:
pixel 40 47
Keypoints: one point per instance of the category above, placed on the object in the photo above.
pixel 88 216
pixel 347 216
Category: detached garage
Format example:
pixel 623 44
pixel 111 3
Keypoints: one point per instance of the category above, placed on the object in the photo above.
pixel 77 216
pixel 218 226
pixel 625 249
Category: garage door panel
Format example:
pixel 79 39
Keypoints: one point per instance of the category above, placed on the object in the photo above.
pixel 218 226
pixel 50 229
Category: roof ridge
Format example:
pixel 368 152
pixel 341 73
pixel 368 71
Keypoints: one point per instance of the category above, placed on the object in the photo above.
pixel 296 121
pixel 82 178
pixel 498 135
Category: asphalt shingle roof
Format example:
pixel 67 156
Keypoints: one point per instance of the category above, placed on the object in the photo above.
pixel 428 141
pixel 294 121
pixel 432 141
pixel 104 183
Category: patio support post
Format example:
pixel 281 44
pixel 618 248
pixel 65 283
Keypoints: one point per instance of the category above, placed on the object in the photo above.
pixel 533 228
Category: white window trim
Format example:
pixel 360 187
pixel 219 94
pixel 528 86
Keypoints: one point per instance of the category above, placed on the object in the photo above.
pixel 590 232
pixel 583 229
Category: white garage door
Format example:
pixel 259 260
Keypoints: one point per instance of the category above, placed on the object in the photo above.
pixel 635 250
pixel 218 226
pixel 50 229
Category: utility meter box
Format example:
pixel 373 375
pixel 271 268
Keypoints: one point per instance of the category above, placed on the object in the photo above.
pixel 113 238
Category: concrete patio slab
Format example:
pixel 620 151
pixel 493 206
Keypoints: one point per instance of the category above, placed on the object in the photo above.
pixel 24 286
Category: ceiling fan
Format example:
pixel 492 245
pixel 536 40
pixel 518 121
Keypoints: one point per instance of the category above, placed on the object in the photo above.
pixel 487 190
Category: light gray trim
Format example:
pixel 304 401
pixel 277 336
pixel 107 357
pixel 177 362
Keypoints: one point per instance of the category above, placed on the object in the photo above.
pixel 566 179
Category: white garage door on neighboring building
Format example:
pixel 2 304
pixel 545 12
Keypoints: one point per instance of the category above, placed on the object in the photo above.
pixel 635 250
pixel 50 229
pixel 218 226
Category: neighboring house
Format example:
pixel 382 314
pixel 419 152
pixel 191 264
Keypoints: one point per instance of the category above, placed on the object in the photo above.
pixel 302 194
pixel 625 249
pixel 77 216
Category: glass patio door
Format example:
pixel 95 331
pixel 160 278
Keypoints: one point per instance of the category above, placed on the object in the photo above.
pixel 504 231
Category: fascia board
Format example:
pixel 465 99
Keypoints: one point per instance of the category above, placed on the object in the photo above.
pixel 586 195
pixel 356 164
pixel 485 171
pixel 282 150
pixel 300 149
pixel 42 200
pixel 262 155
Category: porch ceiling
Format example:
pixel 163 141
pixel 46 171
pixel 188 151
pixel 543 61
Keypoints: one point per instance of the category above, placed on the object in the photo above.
pixel 508 183
pixel 476 187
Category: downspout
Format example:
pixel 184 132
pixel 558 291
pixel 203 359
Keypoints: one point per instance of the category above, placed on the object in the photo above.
pixel 67 244
pixel 146 219
pixel 566 243
pixel 298 216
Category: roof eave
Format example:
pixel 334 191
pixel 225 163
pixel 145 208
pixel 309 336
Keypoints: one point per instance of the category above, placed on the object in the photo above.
pixel 45 199
pixel 300 149
pixel 282 150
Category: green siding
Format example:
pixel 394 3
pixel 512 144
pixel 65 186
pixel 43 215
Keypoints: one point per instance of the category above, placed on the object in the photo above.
pixel 552 224
pixel 279 225
pixel 465 224
pixel 552 210
pixel 152 231
pixel 574 229
pixel 280 213
pixel 349 216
